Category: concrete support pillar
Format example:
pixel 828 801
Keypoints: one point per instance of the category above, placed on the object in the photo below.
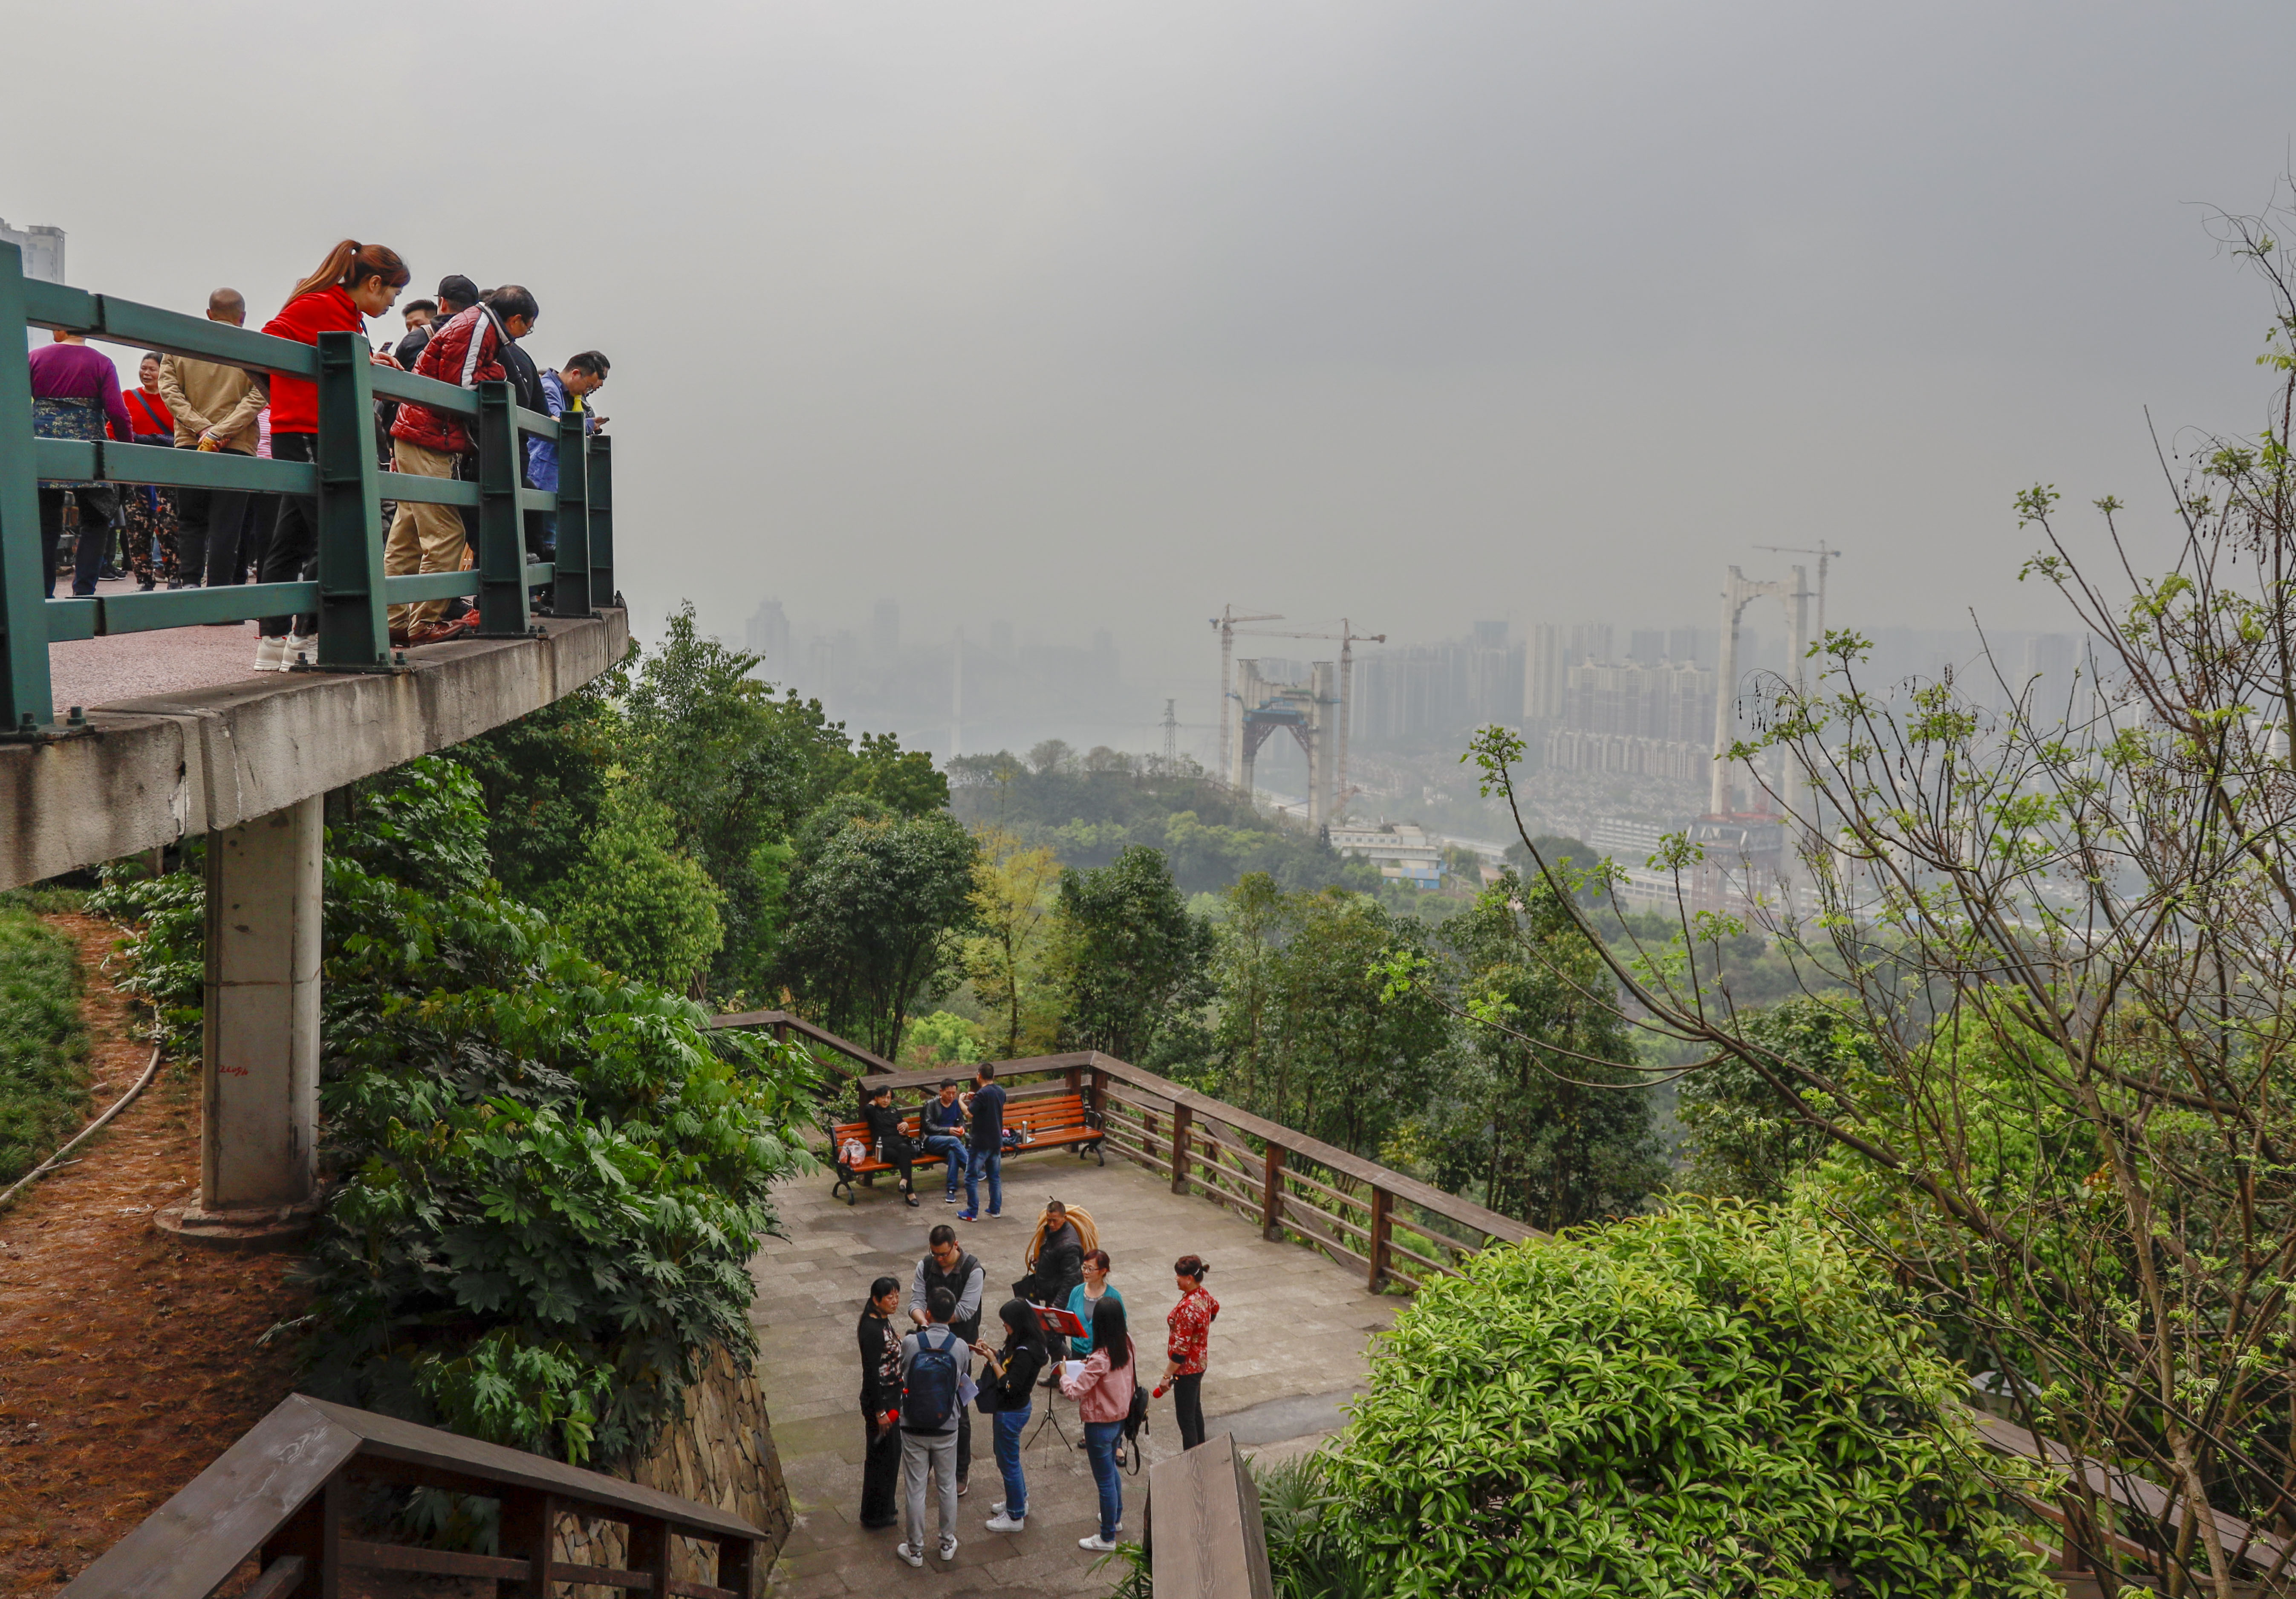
pixel 261 1102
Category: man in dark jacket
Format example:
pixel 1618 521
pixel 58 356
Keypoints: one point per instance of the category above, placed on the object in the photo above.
pixel 946 1266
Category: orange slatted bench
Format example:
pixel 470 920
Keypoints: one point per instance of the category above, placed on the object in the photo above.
pixel 1052 1121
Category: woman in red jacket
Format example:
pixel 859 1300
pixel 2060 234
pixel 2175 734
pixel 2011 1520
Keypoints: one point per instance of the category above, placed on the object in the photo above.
pixel 355 282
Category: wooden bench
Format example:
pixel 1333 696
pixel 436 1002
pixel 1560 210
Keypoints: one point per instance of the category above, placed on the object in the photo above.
pixel 1046 1121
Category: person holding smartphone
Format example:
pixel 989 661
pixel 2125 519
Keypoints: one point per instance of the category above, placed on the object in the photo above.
pixel 1008 1397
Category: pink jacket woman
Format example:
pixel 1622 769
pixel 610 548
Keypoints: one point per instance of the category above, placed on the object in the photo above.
pixel 1101 1395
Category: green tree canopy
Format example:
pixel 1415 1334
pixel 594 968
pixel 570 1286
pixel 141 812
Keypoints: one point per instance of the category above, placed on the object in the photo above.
pixel 636 904
pixel 878 903
pixel 1546 1116
pixel 1130 957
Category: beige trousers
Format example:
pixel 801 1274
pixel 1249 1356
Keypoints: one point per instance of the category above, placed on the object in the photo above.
pixel 424 539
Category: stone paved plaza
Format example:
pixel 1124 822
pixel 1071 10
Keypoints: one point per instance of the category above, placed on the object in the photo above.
pixel 1289 1347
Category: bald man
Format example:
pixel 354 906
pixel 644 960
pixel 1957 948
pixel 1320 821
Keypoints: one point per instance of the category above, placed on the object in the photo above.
pixel 215 407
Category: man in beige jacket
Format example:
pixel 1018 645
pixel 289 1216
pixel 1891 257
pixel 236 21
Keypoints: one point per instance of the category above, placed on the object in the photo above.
pixel 215 407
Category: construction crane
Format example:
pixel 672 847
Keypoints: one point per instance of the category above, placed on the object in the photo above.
pixel 1225 624
pixel 1823 554
pixel 1349 638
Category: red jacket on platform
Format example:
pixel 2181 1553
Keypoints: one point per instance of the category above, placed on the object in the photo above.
pixel 295 401
pixel 465 352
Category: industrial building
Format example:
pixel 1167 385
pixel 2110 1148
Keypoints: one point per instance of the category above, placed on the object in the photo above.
pixel 1402 851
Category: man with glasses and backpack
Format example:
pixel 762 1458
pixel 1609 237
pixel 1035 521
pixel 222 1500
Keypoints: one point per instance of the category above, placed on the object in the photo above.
pixel 936 1391
pixel 946 1266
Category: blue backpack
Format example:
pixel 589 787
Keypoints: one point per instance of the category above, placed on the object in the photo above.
pixel 929 1396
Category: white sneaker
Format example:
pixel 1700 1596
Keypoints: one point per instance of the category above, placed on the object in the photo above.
pixel 996 1509
pixel 948 1547
pixel 270 654
pixel 909 1555
pixel 1001 1522
pixel 304 648
pixel 1095 1543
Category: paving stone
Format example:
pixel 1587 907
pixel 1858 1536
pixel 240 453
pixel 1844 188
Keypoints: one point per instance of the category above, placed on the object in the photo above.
pixel 1290 1342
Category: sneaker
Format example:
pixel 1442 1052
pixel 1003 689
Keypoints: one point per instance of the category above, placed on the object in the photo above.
pixel 302 649
pixel 909 1555
pixel 1096 1544
pixel 966 1216
pixel 947 1546
pixel 949 1198
pixel 270 654
pixel 962 1488
pixel 1001 1522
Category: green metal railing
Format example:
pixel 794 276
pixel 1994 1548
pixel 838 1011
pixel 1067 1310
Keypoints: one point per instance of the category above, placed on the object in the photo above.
pixel 351 593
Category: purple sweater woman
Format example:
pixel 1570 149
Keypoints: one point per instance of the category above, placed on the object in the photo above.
pixel 75 392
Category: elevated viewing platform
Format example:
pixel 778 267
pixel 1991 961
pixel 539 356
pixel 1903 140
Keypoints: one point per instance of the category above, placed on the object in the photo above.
pixel 123 727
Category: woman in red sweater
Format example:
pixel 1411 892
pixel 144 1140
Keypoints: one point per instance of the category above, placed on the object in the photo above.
pixel 355 282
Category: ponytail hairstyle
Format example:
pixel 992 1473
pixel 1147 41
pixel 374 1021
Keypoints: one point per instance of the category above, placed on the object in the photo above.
pixel 350 264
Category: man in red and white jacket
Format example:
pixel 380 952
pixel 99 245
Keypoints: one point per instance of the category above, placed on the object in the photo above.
pixel 466 351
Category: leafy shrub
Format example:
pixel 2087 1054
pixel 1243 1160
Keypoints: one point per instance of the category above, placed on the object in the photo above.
pixel 545 1182
pixel 1713 1401
pixel 165 968
pixel 43 1083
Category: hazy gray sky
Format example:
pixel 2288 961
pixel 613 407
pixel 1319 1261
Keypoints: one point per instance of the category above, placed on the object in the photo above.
pixel 1080 313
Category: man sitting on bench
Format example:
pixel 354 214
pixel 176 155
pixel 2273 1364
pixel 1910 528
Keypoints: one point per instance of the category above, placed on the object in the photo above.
pixel 943 1126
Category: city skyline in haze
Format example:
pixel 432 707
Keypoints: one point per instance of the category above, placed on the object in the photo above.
pixel 1099 319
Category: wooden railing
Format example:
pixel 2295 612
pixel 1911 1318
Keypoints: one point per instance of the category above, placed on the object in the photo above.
pixel 782 1024
pixel 288 1493
pixel 1390 1228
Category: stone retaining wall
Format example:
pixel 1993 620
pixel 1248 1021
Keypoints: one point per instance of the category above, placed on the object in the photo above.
pixel 722 1453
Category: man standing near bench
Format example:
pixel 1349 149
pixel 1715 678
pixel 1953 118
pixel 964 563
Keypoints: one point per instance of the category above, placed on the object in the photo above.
pixel 942 1123
pixel 988 1144
pixel 947 1266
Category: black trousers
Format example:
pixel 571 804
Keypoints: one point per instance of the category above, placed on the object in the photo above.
pixel 294 536
pixel 1188 1408
pixel 211 541
pixel 880 1476
pixel 94 539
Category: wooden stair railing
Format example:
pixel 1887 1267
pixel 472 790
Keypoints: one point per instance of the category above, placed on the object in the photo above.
pixel 283 1492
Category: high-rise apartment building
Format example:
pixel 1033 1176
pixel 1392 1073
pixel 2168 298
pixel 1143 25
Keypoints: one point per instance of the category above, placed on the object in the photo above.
pixel 767 634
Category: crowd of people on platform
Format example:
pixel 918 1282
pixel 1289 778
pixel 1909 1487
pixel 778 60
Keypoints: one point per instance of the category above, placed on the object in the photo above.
pixel 194 538
pixel 918 1343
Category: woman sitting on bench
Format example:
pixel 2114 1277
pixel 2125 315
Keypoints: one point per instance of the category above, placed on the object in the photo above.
pixel 892 1145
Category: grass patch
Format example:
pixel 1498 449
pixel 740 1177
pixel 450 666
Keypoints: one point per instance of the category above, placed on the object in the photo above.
pixel 43 1042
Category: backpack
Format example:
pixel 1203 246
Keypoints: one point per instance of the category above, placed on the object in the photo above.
pixel 928 1394
pixel 1135 1423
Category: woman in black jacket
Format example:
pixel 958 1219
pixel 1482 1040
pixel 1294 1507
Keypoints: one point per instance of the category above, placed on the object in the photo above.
pixel 881 1403
pixel 888 1141
pixel 1013 1372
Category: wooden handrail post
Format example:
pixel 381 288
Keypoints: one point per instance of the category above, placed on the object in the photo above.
pixel 649 1546
pixel 530 1520
pixel 1377 1247
pixel 1100 1095
pixel 315 1533
pixel 1183 1145
pixel 1271 1197
pixel 737 1566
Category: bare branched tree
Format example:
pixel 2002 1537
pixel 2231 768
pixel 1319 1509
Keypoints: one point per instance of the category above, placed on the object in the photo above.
pixel 2057 926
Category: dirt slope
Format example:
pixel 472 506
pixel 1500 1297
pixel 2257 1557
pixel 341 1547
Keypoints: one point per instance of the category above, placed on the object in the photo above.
pixel 127 1362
